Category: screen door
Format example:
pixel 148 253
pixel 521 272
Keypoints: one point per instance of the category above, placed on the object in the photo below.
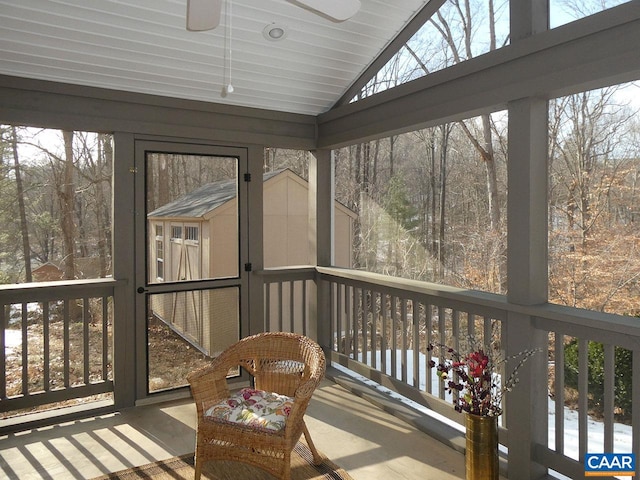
pixel 190 253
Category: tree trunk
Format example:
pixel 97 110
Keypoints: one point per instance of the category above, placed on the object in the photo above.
pixel 102 222
pixel 162 188
pixel 433 194
pixel 444 140
pixel 26 249
pixel 357 200
pixel 492 179
pixel 67 201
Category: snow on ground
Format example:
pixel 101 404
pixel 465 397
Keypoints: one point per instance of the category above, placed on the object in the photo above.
pixel 12 339
pixel 13 336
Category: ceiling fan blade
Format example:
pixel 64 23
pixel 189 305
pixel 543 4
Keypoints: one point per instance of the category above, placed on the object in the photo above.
pixel 339 10
pixel 203 14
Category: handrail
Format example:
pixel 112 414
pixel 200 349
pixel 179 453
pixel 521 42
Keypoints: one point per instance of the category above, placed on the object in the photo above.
pixel 43 291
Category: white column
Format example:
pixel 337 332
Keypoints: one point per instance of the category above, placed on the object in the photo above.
pixel 527 272
pixel 526 414
pixel 527 256
pixel 321 207
pixel 321 239
pixel 123 237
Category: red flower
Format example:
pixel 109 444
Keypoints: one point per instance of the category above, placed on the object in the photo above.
pixel 474 378
pixel 477 363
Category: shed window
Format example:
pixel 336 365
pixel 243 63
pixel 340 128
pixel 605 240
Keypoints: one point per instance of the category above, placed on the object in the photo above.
pixel 160 259
pixel 176 232
pixel 191 233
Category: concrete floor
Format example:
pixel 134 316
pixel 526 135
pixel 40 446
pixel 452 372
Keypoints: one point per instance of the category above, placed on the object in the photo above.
pixel 367 442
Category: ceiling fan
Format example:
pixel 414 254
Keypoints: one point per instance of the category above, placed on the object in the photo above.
pixel 205 14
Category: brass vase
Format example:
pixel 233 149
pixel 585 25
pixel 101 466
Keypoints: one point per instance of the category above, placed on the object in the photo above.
pixel 481 457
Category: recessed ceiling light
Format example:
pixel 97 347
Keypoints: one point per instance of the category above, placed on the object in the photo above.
pixel 274 32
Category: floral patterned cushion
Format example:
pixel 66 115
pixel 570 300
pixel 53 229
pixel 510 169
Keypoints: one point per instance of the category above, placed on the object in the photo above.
pixel 254 408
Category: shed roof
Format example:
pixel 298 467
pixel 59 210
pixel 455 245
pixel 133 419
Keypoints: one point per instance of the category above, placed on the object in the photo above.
pixel 199 202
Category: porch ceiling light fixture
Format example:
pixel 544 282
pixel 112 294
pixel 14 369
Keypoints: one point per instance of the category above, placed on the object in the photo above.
pixel 274 32
pixel 227 88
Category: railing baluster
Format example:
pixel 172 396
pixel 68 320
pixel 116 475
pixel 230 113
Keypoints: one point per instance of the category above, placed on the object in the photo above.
pixel 364 325
pixel 415 308
pixel 303 286
pixel 455 332
pixel 3 351
pixel 339 335
pixel 403 320
pixel 267 306
pixel 442 341
pixel 455 329
pixel 350 321
pixel 292 313
pixel 85 336
pixel 471 325
pixel 46 339
pixel 609 391
pixel 280 305
pixel 25 350
pixel 583 390
pixel 487 331
pixel 558 372
pixel 394 338
pixel 66 354
pixel 373 305
pixel 384 342
pixel 355 328
pixel 105 338
pixel 428 328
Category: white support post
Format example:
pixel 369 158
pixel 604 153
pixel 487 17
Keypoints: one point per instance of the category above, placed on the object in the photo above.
pixel 321 238
pixel 527 256
pixel 527 276
pixel 124 330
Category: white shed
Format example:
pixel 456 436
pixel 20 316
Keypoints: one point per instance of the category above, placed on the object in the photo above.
pixel 195 237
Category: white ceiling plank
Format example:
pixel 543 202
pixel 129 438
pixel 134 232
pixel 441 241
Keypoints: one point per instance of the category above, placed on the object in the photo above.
pixel 144 47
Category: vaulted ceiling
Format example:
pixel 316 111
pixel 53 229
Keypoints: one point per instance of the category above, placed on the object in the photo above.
pixel 143 46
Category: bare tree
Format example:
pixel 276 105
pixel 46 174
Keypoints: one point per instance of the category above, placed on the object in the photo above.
pixel 66 197
pixel 97 155
pixel 26 249
pixel 593 161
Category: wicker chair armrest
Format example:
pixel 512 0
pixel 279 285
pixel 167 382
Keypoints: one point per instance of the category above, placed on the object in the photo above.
pixel 305 389
pixel 209 383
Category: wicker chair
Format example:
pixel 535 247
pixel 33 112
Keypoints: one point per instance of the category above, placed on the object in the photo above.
pixel 286 364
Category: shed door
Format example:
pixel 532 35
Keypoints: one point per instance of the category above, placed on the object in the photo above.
pixel 189 256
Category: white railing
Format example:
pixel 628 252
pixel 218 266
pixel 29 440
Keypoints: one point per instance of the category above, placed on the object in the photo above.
pixel 379 326
pixel 55 343
pixel 286 299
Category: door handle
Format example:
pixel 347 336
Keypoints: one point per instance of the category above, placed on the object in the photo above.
pixel 142 290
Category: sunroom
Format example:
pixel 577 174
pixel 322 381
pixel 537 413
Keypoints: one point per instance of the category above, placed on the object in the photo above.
pixel 489 150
